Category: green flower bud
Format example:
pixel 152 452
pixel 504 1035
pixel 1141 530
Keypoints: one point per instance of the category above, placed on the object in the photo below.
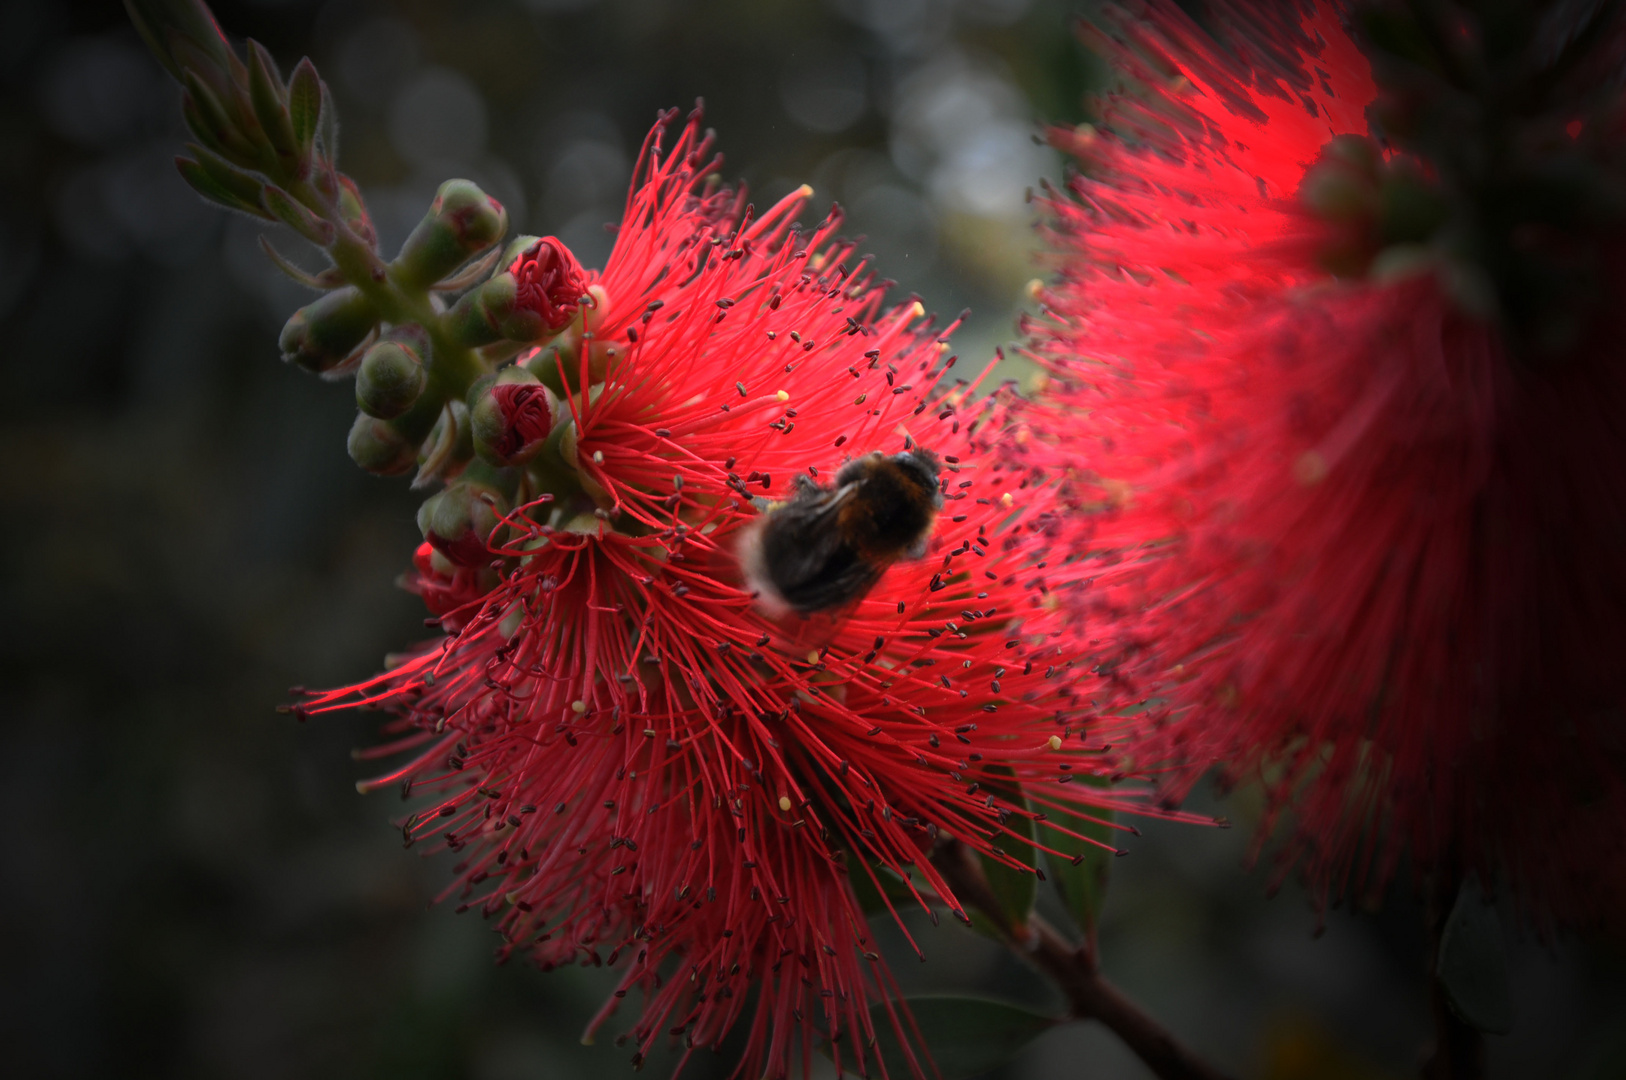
pixel 321 335
pixel 390 379
pixel 1413 208
pixel 462 221
pixel 499 299
pixel 459 521
pixel 379 448
pixel 513 417
pixel 1343 185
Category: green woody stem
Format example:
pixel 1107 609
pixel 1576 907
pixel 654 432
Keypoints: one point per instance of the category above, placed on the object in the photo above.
pixel 1073 968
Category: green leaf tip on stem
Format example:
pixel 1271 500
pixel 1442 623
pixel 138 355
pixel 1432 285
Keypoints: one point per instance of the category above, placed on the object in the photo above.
pixel 322 281
pixel 962 1036
pixel 1472 965
pixel 290 212
pixel 1015 887
pixel 1083 870
pixel 305 96
pixel 222 183
pixel 179 33
pixel 270 100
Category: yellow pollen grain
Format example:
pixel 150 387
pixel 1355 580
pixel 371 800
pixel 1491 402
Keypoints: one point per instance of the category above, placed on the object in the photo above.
pixel 783 395
pixel 805 191
pixel 813 656
pixel 578 707
pixel 1006 500
pixel 784 803
pixel 1033 289
pixel 917 310
pixel 598 457
pixel 1055 742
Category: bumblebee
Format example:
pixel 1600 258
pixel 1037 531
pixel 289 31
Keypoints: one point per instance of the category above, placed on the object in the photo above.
pixel 826 546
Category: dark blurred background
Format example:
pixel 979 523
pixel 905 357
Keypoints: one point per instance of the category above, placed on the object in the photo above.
pixel 189 884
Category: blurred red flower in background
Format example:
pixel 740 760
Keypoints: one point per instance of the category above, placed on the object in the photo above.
pixel 638 765
pixel 1355 497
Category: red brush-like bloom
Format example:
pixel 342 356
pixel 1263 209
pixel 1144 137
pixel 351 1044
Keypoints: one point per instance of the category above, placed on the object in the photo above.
pixel 551 282
pixel 1358 515
pixel 640 766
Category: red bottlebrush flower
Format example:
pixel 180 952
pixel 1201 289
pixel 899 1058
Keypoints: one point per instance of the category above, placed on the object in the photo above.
pixel 1356 534
pixel 551 282
pixel 449 591
pixel 642 767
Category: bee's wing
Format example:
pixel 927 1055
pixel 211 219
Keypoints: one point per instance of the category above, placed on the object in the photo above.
pixel 813 566
pixel 808 532
pixel 843 580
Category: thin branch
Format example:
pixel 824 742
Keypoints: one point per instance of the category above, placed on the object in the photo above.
pixel 1074 970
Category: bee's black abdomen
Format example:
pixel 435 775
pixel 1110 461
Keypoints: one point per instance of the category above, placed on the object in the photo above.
pixel 828 546
pixel 833 579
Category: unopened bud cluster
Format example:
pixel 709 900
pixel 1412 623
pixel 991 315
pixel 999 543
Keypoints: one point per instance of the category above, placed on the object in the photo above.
pixel 444 388
pixel 445 341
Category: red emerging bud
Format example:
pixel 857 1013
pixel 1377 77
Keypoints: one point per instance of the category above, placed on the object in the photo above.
pixel 446 588
pixel 551 282
pixel 528 414
pixel 513 419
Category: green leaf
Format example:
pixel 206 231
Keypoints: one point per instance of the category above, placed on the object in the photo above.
pixel 1015 889
pixel 869 897
pixel 1472 966
pixel 327 127
pixel 330 278
pixel 240 182
pixel 1082 872
pixel 270 101
pixel 168 25
pixel 209 120
pixel 305 103
pixel 207 184
pixel 296 216
pixel 965 1036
